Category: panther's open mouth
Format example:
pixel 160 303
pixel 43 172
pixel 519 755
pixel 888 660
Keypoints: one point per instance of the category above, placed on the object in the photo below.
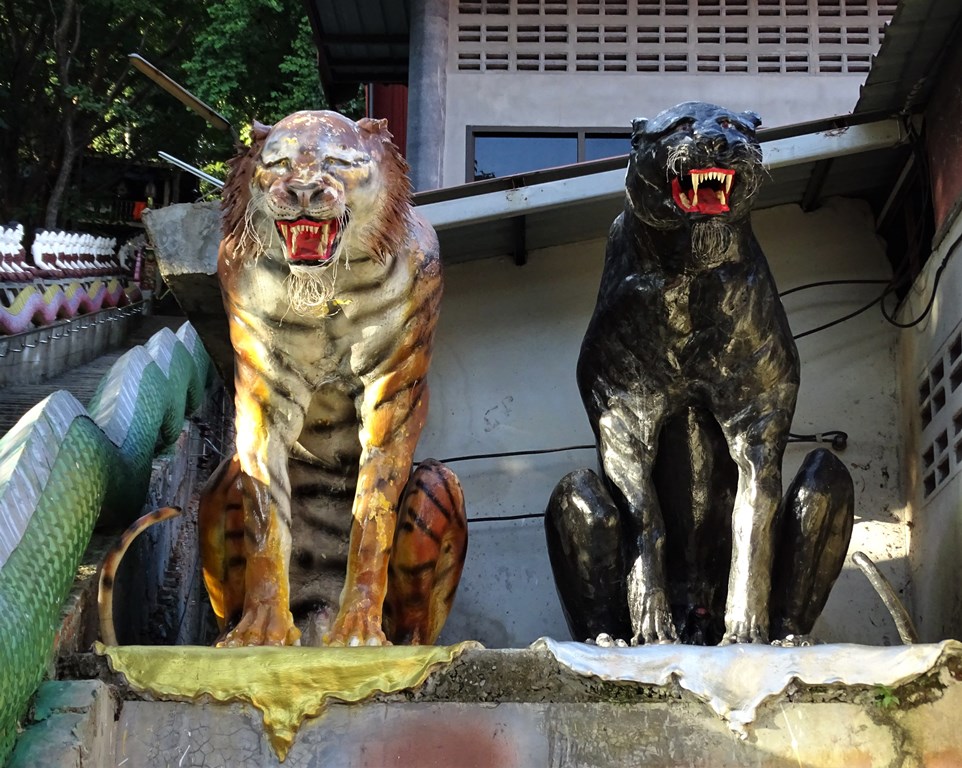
pixel 309 240
pixel 703 190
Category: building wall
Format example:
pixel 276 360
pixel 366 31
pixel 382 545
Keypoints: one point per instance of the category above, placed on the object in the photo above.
pixel 597 100
pixel 930 365
pixel 503 380
pixel 599 63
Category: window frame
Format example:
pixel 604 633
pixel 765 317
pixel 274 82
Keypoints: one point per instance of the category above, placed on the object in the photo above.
pixel 581 133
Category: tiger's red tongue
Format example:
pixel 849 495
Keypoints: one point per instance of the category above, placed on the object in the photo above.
pixel 309 240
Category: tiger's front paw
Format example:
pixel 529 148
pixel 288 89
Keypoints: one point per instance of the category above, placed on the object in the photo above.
pixel 356 625
pixel 263 625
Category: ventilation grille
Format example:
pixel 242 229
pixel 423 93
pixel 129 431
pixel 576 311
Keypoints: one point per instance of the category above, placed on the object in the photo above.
pixel 691 36
pixel 940 408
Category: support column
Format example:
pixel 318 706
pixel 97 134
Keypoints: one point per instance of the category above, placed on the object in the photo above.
pixel 427 84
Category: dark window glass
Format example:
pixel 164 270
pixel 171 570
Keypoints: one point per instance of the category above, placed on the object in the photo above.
pixel 504 155
pixel 598 147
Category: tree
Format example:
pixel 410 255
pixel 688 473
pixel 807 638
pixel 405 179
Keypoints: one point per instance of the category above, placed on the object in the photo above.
pixel 275 34
pixel 65 83
pixel 66 86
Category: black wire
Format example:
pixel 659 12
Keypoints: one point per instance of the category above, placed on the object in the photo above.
pixel 532 452
pixel 935 288
pixel 531 516
pixel 837 438
pixel 839 320
pixel 822 283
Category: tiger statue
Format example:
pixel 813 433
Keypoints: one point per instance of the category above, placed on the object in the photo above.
pixel 331 283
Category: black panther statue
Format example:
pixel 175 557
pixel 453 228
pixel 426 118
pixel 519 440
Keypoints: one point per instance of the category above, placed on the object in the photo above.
pixel 689 374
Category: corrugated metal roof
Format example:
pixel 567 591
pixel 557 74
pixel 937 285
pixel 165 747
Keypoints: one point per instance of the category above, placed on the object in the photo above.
pixel 359 41
pixel 906 66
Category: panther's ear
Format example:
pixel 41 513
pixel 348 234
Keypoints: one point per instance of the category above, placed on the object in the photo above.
pixel 751 118
pixel 259 131
pixel 638 126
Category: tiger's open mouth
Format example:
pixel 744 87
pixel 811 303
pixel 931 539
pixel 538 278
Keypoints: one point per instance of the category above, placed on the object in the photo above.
pixel 703 190
pixel 310 240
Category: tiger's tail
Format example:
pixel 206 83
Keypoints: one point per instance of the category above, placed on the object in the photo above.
pixel 111 563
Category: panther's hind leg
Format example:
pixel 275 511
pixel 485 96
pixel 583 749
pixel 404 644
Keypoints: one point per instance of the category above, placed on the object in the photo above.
pixel 585 546
pixel 430 545
pixel 221 531
pixel 813 533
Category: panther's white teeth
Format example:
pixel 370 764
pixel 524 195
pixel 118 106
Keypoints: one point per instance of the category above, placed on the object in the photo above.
pixel 685 200
pixel 695 181
pixel 728 182
pixel 722 199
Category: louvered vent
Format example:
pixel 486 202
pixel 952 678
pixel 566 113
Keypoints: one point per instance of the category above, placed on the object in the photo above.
pixel 690 36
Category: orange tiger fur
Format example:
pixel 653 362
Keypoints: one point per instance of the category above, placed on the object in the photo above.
pixel 331 283
pixel 111 563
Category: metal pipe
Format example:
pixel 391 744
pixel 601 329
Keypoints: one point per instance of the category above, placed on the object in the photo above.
pixel 185 166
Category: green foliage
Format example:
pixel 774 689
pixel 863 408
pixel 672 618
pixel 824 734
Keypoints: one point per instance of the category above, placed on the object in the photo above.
pixel 66 87
pixel 266 65
pixel 885 697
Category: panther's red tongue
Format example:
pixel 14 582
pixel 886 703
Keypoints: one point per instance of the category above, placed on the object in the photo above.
pixel 309 240
pixel 712 196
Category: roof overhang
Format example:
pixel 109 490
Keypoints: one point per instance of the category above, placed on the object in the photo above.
pixel 362 41
pixel 514 215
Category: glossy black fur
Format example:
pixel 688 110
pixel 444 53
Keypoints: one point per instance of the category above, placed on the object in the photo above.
pixel 689 375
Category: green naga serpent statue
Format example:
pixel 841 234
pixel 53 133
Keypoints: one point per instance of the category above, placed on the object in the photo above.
pixel 63 468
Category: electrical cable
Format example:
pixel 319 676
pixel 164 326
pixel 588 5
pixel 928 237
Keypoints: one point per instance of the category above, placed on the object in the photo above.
pixel 508 454
pixel 837 438
pixel 935 287
pixel 822 283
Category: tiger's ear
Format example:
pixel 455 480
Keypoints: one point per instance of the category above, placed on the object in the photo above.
pixel 371 125
pixel 638 126
pixel 751 118
pixel 259 131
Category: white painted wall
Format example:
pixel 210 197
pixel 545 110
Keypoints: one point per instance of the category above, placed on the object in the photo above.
pixel 503 380
pixel 936 531
pixel 612 100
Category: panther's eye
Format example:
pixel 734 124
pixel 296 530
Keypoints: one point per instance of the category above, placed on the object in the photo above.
pixel 725 122
pixel 683 127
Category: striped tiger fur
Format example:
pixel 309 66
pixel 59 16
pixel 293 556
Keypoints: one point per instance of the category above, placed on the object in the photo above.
pixel 331 283
pixel 111 564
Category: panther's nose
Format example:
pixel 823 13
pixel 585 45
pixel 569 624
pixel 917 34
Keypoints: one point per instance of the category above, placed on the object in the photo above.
pixel 713 142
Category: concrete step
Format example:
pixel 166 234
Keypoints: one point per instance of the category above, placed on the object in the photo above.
pixel 81 382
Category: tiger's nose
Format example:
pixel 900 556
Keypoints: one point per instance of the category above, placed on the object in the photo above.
pixel 305 195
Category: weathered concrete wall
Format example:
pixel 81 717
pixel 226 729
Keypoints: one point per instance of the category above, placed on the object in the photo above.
pixel 930 364
pixel 187 237
pixel 519 709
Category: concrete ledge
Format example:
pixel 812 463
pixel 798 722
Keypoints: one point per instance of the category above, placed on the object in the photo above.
pixel 522 708
pixel 73 727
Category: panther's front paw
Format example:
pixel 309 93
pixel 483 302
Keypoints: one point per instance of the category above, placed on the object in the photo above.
pixel 750 630
pixel 653 622
pixel 263 624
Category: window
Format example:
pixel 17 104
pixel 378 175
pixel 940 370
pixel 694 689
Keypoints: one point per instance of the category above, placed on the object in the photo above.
pixel 494 152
